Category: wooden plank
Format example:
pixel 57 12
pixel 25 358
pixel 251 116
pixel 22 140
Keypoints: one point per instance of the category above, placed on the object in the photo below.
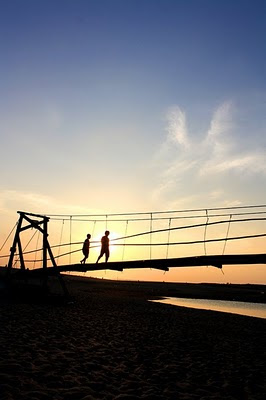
pixel 164 264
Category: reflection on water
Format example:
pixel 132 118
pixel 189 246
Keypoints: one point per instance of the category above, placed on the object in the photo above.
pixel 236 307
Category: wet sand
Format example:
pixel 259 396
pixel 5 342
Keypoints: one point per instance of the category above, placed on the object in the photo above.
pixel 111 343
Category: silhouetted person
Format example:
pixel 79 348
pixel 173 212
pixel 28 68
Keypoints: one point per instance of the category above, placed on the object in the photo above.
pixel 105 247
pixel 86 249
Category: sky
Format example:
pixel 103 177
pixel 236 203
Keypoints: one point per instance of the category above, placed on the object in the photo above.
pixel 133 106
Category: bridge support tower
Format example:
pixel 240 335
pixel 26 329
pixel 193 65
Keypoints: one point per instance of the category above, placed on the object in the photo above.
pixel 40 222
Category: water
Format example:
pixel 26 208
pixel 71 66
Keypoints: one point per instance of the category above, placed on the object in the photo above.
pixel 257 310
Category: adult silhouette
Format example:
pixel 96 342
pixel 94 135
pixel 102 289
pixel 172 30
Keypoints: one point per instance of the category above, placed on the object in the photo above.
pixel 86 248
pixel 104 247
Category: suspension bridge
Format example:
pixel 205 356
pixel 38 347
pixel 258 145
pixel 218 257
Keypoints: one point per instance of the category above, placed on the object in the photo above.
pixel 207 231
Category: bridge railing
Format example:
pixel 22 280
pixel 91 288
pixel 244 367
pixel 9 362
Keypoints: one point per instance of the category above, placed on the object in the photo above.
pixel 147 235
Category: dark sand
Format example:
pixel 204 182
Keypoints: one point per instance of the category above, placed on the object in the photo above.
pixel 111 343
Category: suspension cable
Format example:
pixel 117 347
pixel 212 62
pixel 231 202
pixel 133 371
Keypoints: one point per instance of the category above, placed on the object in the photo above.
pixel 77 219
pixel 123 252
pixel 161 230
pixel 205 232
pixel 227 234
pixel 30 240
pixel 161 212
pixel 193 242
pixel 172 243
pixel 36 248
pixel 188 227
pixel 26 245
pixel 168 238
pixel 8 236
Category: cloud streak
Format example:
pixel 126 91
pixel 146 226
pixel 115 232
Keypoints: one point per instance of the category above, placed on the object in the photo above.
pixel 193 165
pixel 177 127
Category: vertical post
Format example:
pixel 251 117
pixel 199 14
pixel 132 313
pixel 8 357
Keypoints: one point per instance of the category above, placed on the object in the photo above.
pixel 123 253
pixel 16 237
pixel 22 264
pixel 151 237
pixel 45 235
pixel 205 231
pixel 70 237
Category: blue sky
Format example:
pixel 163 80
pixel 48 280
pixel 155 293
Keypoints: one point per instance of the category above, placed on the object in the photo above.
pixel 131 105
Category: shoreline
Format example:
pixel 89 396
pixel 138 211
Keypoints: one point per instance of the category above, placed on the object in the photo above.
pixel 253 293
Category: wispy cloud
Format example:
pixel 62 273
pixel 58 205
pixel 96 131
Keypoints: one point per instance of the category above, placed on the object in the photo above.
pixel 248 163
pixel 198 165
pixel 221 122
pixel 219 135
pixel 177 127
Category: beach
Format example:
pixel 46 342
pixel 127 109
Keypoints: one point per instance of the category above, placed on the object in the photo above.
pixel 109 342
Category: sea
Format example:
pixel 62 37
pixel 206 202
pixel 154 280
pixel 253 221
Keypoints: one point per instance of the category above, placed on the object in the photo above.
pixel 256 310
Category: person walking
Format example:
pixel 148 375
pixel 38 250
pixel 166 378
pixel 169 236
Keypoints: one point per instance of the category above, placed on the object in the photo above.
pixel 104 247
pixel 86 249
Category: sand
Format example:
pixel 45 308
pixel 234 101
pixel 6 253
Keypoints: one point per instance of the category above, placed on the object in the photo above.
pixel 111 343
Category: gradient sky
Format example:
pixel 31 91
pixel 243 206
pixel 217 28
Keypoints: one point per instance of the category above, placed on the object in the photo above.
pixel 134 105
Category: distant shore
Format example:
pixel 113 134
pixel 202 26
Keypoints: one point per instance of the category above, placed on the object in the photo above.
pixel 109 342
pixel 254 293
pixel 153 290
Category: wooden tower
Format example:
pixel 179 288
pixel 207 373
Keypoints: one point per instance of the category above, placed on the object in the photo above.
pixel 40 224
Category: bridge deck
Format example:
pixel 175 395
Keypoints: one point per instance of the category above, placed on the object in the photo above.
pixel 164 264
